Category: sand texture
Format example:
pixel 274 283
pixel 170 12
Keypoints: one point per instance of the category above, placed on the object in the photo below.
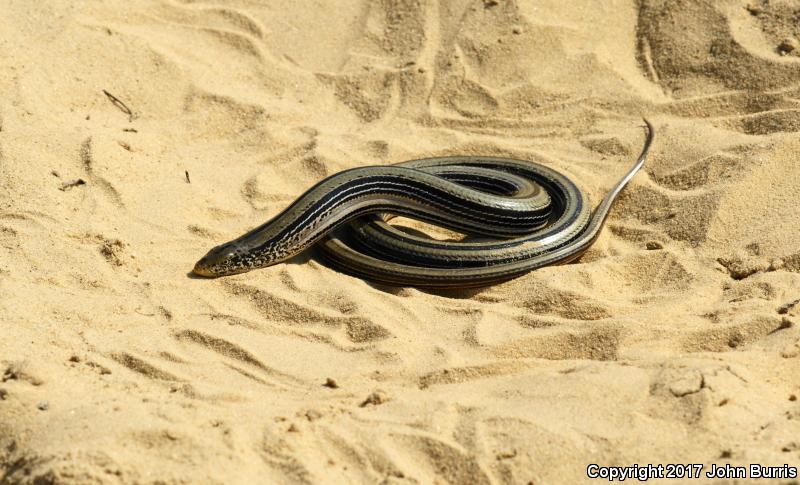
pixel 136 135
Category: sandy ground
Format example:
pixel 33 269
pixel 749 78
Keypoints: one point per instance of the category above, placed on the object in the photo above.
pixel 675 339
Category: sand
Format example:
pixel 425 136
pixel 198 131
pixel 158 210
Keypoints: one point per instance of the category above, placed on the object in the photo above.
pixel 134 136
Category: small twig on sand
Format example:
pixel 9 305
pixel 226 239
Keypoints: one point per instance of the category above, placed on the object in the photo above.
pixel 784 309
pixel 187 177
pixel 119 104
pixel 72 183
